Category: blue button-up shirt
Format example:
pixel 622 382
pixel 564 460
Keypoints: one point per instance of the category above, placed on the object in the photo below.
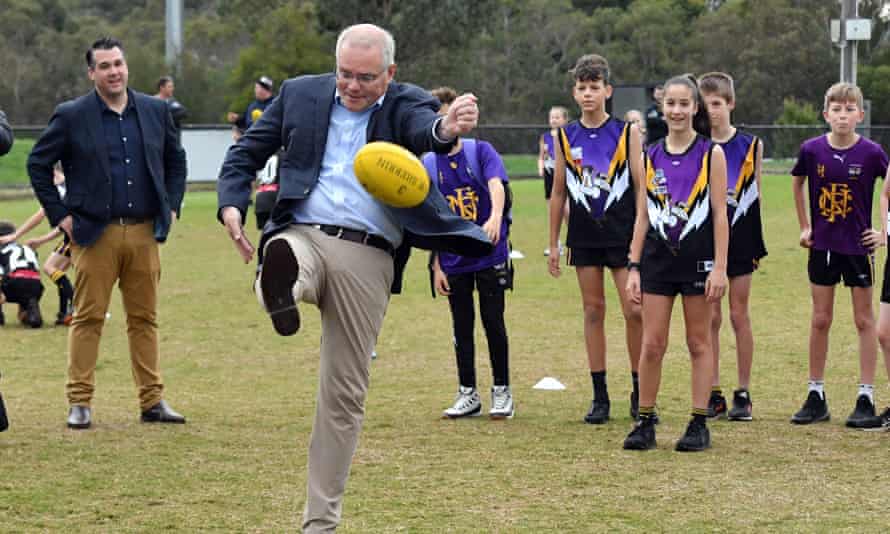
pixel 133 193
pixel 338 198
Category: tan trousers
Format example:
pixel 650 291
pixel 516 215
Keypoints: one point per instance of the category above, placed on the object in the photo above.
pixel 349 282
pixel 128 255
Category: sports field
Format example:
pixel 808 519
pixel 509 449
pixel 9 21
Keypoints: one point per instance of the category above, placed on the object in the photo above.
pixel 239 464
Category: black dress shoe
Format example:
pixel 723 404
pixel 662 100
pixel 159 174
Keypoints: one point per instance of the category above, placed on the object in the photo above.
pixel 79 417
pixel 162 413
pixel 277 279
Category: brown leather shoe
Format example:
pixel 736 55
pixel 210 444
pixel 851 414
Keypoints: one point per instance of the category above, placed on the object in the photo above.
pixel 162 413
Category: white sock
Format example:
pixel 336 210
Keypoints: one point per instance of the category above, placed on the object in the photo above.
pixel 818 386
pixel 868 390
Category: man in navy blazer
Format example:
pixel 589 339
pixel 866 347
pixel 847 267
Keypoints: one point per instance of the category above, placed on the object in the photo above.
pixel 6 137
pixel 125 178
pixel 328 242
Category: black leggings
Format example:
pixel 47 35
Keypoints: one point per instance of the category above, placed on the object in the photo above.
pixel 491 308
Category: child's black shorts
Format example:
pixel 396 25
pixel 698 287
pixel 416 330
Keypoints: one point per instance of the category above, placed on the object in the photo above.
pixel 826 268
pixel 611 257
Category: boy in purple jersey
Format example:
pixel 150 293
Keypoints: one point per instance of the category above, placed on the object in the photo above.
pixel 744 158
pixel 679 248
pixel 557 118
pixel 479 199
pixel 841 168
pixel 598 169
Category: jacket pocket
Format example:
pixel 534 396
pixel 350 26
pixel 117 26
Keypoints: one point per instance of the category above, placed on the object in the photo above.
pixel 73 201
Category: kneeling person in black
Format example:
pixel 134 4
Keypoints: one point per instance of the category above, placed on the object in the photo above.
pixel 20 279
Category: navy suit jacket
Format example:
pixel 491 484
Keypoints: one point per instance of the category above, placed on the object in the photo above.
pixel 75 137
pixel 298 120
pixel 5 135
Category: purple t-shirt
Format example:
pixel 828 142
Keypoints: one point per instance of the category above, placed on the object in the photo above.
pixel 468 196
pixel 841 187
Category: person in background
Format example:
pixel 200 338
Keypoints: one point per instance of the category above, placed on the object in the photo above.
pixel 634 116
pixel 557 118
pixel 59 260
pixel 177 110
pixel 264 91
pixel 656 127
pixel 124 188
pixel 6 137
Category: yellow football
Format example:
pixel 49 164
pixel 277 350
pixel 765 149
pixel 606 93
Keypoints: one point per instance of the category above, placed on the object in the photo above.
pixel 391 174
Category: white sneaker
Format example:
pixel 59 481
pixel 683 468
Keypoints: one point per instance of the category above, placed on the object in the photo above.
pixel 466 404
pixel 546 251
pixel 501 403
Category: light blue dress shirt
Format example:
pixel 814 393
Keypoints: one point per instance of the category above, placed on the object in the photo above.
pixel 338 198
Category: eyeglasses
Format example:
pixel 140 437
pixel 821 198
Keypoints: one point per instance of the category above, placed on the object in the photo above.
pixel 362 78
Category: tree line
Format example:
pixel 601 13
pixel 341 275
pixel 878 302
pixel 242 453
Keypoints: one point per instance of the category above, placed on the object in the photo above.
pixel 514 54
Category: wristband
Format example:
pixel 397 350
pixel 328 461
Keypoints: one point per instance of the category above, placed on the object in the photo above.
pixel 633 266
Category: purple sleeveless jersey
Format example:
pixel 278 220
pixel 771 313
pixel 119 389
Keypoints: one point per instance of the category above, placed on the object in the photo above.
pixel 600 187
pixel 841 187
pixel 678 190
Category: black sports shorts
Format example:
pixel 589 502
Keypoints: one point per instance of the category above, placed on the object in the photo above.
pixel 826 268
pixel 611 257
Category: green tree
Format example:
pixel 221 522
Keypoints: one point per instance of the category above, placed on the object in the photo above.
pixel 795 114
pixel 288 44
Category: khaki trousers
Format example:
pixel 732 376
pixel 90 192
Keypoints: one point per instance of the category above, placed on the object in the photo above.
pixel 349 282
pixel 128 255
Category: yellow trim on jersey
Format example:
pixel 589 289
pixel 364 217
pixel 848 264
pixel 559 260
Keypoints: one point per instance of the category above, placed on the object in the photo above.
pixel 746 173
pixel 701 183
pixel 619 158
pixel 700 188
pixel 567 154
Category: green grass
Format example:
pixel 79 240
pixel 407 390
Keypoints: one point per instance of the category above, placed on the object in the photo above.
pixel 240 462
pixel 13 171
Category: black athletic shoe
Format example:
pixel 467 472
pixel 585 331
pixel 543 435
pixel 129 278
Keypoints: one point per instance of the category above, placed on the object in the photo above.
pixel 741 406
pixel 32 314
pixel 881 423
pixel 716 405
pixel 697 438
pixel 598 414
pixel 864 413
pixel 814 410
pixel 642 437
pixel 634 405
